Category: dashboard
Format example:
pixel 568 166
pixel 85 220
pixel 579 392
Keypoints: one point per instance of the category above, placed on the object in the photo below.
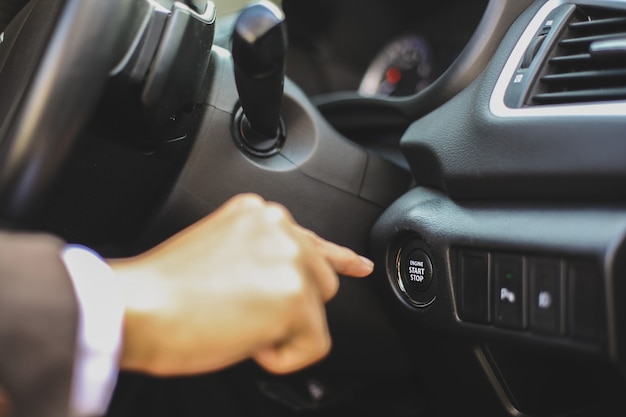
pixel 519 219
pixel 349 46
pixel 511 243
pixel 501 266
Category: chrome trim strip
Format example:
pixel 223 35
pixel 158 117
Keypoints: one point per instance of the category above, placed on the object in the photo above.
pixel 496 102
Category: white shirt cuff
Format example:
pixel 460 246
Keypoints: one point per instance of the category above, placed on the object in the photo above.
pixel 99 337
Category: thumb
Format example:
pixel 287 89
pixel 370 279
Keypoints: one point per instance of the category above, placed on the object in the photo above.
pixel 295 353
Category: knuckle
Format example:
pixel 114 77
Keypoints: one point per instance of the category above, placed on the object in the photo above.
pixel 250 200
pixel 295 294
pixel 313 237
pixel 276 213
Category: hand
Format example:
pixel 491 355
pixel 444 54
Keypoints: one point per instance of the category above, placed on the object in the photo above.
pixel 5 403
pixel 245 282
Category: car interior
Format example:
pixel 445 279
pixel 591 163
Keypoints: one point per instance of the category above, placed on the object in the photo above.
pixel 474 149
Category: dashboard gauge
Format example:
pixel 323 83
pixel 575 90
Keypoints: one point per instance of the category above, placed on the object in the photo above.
pixel 402 68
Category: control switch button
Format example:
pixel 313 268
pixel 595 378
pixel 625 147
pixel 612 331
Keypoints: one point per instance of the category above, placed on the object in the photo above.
pixel 509 291
pixel 545 295
pixel 474 287
pixel 417 271
pixel 416 277
pixel 586 301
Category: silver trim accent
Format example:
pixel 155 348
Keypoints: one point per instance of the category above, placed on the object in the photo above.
pixel 496 102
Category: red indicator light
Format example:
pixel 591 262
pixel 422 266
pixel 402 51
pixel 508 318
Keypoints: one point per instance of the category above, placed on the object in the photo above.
pixel 393 75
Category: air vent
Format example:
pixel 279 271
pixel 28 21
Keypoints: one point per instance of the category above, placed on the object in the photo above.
pixel 589 62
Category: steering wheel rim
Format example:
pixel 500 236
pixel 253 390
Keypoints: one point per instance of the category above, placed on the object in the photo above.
pixel 54 62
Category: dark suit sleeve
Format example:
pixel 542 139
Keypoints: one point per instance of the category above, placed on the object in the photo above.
pixel 38 322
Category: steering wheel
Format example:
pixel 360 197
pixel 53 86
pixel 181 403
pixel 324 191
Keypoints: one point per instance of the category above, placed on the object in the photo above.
pixel 55 58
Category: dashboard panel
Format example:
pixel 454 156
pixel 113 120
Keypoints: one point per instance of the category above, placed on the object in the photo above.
pixel 334 44
pixel 520 205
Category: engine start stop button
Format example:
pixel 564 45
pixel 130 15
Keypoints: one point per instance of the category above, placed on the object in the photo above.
pixel 416 277
pixel 417 271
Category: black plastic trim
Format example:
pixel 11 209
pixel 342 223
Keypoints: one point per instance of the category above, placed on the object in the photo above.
pixel 574 233
pixel 468 151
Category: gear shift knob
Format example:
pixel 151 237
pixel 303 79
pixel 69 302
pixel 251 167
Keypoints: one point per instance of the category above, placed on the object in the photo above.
pixel 259 48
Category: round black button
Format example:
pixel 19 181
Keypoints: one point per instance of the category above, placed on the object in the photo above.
pixel 415 275
pixel 416 271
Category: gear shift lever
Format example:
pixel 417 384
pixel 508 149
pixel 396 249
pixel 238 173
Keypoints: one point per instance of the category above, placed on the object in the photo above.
pixel 259 48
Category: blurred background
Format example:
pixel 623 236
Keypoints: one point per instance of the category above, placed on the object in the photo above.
pixel 227 7
pixel 226 16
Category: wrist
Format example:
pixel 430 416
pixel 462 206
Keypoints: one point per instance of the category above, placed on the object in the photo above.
pixel 144 299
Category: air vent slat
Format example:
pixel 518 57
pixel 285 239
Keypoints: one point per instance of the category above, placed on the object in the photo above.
pixel 576 71
pixel 600 25
pixel 581 96
pixel 587 40
pixel 571 59
pixel 607 76
pixel 577 62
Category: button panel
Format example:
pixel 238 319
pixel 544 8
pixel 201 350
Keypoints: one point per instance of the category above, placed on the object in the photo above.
pixel 546 287
pixel 509 300
pixel 585 291
pixel 474 287
pixel 546 295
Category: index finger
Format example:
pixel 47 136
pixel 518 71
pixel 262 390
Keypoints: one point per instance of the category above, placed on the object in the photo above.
pixel 347 262
pixel 343 260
